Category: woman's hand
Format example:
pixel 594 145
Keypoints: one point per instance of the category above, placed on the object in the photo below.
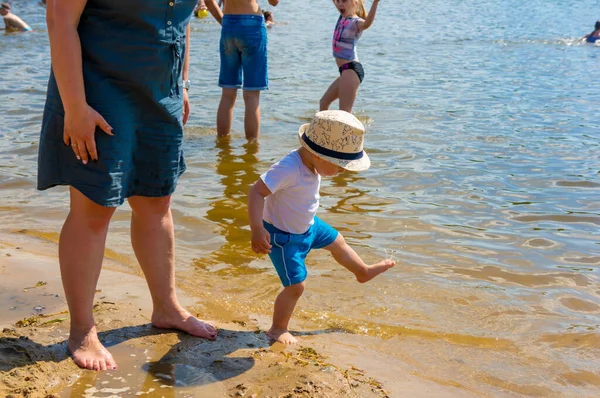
pixel 186 106
pixel 79 132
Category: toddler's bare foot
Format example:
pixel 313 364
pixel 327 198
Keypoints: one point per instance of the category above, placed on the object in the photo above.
pixel 373 270
pixel 182 320
pixel 282 336
pixel 88 352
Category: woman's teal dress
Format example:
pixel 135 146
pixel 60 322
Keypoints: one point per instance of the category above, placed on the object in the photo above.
pixel 132 53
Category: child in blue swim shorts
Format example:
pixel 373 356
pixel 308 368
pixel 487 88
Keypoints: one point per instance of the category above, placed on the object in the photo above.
pixel 283 203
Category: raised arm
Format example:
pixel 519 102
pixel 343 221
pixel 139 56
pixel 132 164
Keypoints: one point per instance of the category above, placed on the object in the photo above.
pixel 215 10
pixel 364 25
pixel 256 203
pixel 273 2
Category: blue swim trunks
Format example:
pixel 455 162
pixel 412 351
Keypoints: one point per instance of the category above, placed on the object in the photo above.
pixel 289 251
pixel 244 48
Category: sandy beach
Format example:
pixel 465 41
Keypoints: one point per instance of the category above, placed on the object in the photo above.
pixel 164 363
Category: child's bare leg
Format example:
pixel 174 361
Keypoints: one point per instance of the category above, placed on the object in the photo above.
pixel 284 307
pixel 225 111
pixel 348 88
pixel 330 95
pixel 347 257
pixel 252 114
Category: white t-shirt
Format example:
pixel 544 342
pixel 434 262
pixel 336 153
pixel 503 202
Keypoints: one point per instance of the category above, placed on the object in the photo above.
pixel 294 198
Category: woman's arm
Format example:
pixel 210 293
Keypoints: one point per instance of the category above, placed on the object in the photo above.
pixel 364 25
pixel 62 18
pixel 185 74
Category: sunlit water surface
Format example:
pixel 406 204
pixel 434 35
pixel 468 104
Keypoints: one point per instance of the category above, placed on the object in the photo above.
pixel 483 131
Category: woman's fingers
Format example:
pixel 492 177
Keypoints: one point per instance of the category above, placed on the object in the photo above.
pixel 75 148
pixel 82 151
pixel 80 133
pixel 91 149
pixel 103 124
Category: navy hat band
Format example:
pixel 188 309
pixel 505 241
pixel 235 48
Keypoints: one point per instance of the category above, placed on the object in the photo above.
pixel 330 152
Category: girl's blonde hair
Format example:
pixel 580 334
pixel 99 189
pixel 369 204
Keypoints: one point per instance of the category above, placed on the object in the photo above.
pixel 361 12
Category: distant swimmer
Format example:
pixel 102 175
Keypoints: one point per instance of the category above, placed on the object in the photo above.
pixel 268 15
pixel 595 35
pixel 12 22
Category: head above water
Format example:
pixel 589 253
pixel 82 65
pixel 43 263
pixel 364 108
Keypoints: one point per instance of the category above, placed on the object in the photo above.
pixel 597 26
pixel 268 16
pixel 351 7
pixel 4 7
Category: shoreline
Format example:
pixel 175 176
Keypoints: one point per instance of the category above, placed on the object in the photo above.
pixel 242 362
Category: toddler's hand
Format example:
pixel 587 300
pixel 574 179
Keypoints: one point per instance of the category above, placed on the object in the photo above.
pixel 261 241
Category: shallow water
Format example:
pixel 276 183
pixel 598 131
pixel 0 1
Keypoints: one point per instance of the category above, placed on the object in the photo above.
pixel 483 133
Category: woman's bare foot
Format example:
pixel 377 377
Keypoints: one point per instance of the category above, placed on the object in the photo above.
pixel 182 320
pixel 282 336
pixel 373 270
pixel 88 352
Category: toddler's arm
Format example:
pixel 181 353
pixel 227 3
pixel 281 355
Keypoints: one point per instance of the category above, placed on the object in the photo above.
pixel 256 203
pixel 364 25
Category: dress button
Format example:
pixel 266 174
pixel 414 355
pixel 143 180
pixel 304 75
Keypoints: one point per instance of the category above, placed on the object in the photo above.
pixel 169 23
pixel 171 4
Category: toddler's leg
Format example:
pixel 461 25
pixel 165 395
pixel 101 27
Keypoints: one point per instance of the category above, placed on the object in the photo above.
pixel 347 257
pixel 252 114
pixel 284 307
pixel 330 95
pixel 225 112
pixel 348 88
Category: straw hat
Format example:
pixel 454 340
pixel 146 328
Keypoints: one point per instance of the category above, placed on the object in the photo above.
pixel 337 137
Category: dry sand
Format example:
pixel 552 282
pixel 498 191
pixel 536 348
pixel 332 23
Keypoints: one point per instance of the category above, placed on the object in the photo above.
pixel 164 363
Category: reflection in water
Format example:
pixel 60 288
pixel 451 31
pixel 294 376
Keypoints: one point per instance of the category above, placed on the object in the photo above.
pixel 345 184
pixel 238 173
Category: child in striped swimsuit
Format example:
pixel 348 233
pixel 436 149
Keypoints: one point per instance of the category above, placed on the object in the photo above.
pixel 352 22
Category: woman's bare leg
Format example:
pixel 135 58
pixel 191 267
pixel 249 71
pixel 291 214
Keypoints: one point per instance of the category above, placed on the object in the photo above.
pixel 80 253
pixel 152 238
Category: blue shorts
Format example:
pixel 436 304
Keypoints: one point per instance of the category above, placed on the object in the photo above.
pixel 288 251
pixel 244 48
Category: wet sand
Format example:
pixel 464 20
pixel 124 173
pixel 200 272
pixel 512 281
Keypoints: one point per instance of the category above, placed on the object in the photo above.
pixel 164 363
